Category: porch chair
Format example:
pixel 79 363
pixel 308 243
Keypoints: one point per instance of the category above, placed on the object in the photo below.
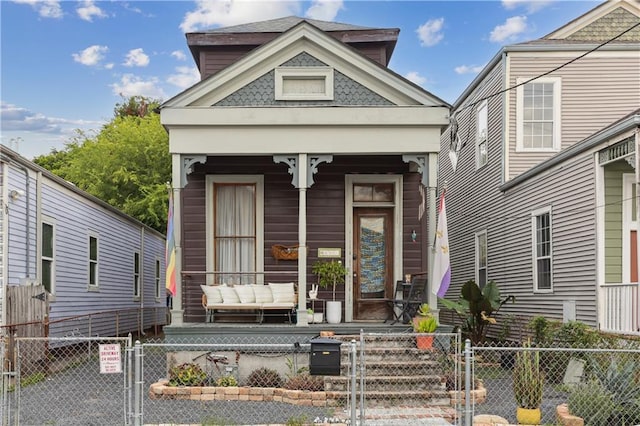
pixel 413 295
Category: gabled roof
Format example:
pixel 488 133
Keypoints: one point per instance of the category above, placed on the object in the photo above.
pixel 281 25
pixel 621 14
pixel 606 21
pixel 304 37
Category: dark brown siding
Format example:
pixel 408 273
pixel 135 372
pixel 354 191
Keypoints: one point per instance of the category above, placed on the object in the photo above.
pixel 325 220
pixel 216 60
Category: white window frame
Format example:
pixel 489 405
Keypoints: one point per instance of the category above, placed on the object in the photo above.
pixel 52 259
pixel 93 286
pixel 304 73
pixel 557 114
pixel 482 134
pixel 478 266
pixel 136 275
pixel 628 224
pixel 258 180
pixel 534 253
pixel 158 277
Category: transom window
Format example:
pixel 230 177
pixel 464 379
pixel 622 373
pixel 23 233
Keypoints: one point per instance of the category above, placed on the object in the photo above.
pixel 373 192
pixel 538 114
pixel 542 254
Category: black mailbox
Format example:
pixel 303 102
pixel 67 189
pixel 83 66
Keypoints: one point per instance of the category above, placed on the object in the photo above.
pixel 325 357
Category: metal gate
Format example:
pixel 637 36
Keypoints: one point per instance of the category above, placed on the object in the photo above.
pixel 67 381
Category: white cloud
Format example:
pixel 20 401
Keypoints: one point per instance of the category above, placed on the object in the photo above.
pixel 131 85
pixel 430 33
pixel 531 5
pixel 212 13
pixel 109 66
pixel 88 10
pixel 45 8
pixel 510 29
pixel 184 77
pixel 415 77
pixel 179 55
pixel 324 10
pixel 468 69
pixel 136 58
pixel 91 56
pixel 17 118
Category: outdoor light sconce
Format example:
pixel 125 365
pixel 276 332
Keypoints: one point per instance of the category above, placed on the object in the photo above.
pixel 14 194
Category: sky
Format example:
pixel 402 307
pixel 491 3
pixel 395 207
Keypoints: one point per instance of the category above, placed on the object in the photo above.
pixel 64 65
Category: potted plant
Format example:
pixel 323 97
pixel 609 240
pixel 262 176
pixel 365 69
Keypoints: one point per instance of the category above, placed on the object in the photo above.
pixel 424 322
pixel 331 273
pixel 528 382
pixel 309 315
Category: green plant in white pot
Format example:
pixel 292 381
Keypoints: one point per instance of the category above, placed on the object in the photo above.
pixel 331 273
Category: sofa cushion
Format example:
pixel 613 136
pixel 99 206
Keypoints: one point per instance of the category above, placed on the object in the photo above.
pixel 229 295
pixel 212 293
pixel 245 293
pixel 263 293
pixel 283 292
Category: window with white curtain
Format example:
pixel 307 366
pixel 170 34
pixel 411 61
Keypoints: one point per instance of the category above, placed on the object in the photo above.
pixel 482 117
pixel 481 259
pixel 236 206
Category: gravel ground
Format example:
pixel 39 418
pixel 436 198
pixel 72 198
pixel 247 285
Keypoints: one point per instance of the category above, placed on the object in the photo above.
pixel 80 395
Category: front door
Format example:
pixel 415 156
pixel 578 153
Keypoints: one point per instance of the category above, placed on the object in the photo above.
pixel 373 262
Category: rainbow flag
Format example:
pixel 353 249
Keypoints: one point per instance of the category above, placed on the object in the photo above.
pixel 441 272
pixel 170 252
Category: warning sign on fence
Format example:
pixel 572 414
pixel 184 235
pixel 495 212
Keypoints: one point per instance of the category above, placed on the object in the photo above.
pixel 110 361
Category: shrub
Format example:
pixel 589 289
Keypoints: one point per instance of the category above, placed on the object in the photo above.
pixel 592 402
pixel 265 377
pixel 304 381
pixel 227 381
pixel 187 374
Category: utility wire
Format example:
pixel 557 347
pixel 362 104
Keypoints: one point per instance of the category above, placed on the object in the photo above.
pixel 548 72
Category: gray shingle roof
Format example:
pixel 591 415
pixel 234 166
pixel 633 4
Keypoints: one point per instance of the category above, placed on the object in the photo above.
pixel 281 25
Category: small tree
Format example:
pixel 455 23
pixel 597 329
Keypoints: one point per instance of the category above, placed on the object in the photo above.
pixel 476 308
pixel 330 273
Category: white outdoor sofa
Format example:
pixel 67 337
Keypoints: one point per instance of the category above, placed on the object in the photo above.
pixel 252 297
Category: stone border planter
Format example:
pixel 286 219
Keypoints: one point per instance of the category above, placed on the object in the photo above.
pixel 160 390
pixel 566 419
pixel 478 395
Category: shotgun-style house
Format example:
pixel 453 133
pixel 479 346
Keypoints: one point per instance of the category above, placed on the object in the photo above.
pixel 70 263
pixel 541 170
pixel 300 140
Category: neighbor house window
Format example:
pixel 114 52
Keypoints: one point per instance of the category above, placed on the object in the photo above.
pixel 157 279
pixel 542 260
pixel 482 135
pixel 481 259
pixel 538 115
pixel 236 242
pixel 136 274
pixel 93 261
pixel 47 265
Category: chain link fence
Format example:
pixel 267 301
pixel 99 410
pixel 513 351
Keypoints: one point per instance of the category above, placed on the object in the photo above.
pixel 62 381
pixel 380 379
pixel 600 386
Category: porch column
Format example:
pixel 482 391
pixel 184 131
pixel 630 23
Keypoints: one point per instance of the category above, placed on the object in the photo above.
pixel 432 171
pixel 180 167
pixel 302 241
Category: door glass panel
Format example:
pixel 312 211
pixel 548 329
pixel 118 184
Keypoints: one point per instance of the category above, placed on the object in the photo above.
pixel 372 257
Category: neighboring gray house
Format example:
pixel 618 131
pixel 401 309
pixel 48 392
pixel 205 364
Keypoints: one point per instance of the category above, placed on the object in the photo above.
pixel 88 256
pixel 541 172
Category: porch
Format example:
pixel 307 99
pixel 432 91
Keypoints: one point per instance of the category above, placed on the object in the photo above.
pixel 251 333
pixel 620 308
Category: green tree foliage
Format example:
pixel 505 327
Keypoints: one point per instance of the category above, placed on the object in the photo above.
pixel 127 164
